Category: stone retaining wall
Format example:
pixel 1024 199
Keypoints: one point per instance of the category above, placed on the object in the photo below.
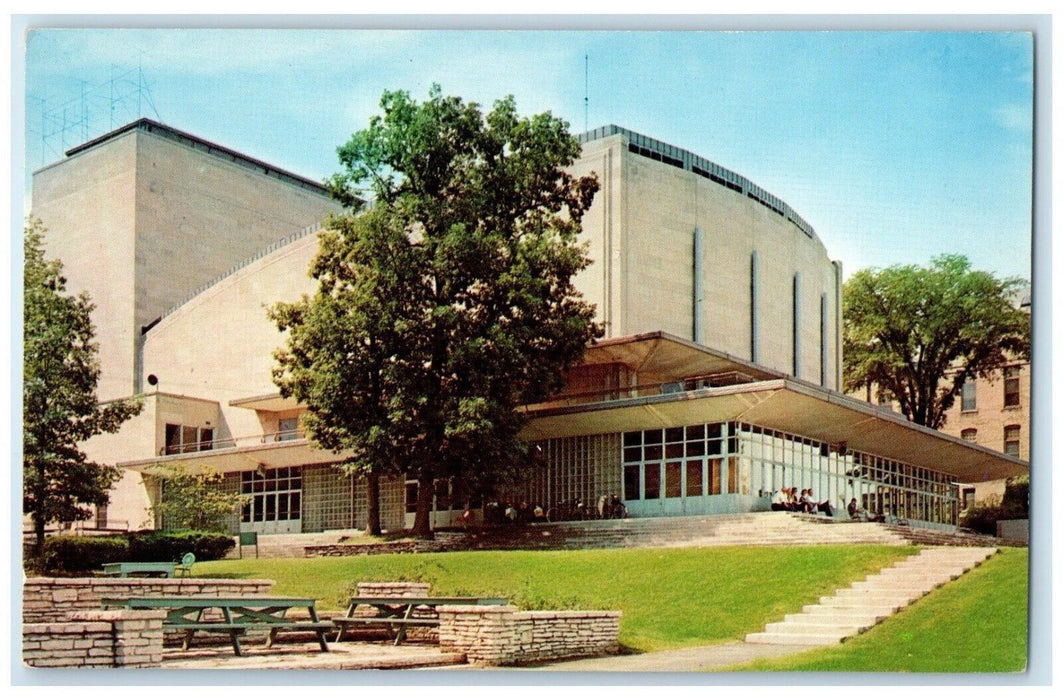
pixel 353 550
pixel 97 638
pixel 378 589
pixel 46 600
pixel 500 635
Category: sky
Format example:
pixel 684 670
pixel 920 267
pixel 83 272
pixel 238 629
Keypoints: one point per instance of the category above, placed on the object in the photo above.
pixel 894 146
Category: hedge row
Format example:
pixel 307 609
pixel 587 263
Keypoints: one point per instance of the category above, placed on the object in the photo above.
pixel 67 554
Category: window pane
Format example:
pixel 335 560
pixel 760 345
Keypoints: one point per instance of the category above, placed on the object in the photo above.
pixel 653 452
pixel 173 439
pixel 969 398
pixel 632 454
pixel 653 481
pixel 695 432
pixel 673 451
pixel 673 435
pixel 714 476
pixel 411 497
pixel 206 439
pixel 653 437
pixel 271 506
pixel 631 483
pixel 282 506
pixel 695 449
pixel 294 505
pixel 188 438
pixel 694 481
pixel 632 439
pixel 673 485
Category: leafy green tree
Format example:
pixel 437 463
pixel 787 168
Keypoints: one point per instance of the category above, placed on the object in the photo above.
pixel 449 303
pixel 195 500
pixel 919 333
pixel 59 407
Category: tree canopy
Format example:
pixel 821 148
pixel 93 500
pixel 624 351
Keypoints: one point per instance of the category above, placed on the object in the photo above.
pixel 195 500
pixel 919 333
pixel 59 407
pixel 446 302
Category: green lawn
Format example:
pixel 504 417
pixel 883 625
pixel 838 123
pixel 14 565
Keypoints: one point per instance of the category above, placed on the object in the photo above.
pixel 976 624
pixel 669 597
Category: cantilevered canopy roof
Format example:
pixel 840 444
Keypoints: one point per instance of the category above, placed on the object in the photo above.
pixel 266 402
pixel 663 354
pixel 270 455
pixel 790 406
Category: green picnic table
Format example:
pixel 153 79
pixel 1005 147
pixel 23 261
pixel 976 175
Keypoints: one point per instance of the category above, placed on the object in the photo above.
pixel 232 616
pixel 124 569
pixel 397 613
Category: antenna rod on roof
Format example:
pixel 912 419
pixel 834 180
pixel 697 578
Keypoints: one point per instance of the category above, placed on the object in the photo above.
pixel 586 94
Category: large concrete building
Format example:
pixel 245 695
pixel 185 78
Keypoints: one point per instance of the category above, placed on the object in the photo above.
pixel 716 384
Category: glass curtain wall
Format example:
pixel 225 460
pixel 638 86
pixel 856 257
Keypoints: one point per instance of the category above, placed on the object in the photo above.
pixel 735 467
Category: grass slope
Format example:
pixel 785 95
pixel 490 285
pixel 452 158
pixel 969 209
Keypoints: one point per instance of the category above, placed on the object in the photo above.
pixel 975 624
pixel 669 597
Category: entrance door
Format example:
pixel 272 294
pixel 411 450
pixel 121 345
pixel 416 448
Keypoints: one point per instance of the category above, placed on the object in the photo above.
pixel 274 501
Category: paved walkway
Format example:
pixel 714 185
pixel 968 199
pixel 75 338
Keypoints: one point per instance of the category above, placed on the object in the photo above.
pixel 342 656
pixel 353 656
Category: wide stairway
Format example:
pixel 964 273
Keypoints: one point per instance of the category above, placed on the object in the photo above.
pixel 866 603
pixel 745 529
pixel 687 531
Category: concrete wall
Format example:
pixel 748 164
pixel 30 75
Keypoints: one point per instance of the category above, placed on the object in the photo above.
pixel 640 231
pixel 141 221
pixel 88 205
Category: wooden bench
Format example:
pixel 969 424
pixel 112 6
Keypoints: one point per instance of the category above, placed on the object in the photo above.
pixel 238 615
pixel 396 614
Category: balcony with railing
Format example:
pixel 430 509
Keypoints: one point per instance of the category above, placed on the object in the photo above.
pixel 603 395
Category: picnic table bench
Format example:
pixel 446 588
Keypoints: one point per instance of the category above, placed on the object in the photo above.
pixel 123 569
pixel 232 616
pixel 397 613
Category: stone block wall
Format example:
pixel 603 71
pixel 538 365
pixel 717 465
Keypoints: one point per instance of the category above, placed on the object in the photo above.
pixel 48 600
pixel 95 639
pixel 379 589
pixel 500 635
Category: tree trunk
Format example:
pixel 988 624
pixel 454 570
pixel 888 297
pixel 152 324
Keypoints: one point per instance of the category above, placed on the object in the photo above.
pixel 38 531
pixel 422 523
pixel 372 501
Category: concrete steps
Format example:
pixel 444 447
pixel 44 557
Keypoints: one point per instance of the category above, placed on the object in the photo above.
pixel 730 530
pixel 851 611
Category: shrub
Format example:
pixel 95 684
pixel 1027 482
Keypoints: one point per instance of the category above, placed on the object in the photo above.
pixel 78 554
pixel 71 554
pixel 155 545
pixel 1015 505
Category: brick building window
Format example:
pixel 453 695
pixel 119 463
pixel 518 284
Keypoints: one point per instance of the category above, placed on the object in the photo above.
pixel 1011 386
pixel 1011 440
pixel 969 434
pixel 969 396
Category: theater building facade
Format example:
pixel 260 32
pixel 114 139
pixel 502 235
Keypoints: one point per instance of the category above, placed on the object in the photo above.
pixel 717 381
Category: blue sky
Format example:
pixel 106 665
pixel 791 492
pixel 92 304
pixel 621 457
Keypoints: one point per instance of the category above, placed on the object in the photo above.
pixel 895 146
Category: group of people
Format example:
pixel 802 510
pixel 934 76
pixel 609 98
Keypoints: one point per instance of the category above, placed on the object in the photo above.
pixel 788 499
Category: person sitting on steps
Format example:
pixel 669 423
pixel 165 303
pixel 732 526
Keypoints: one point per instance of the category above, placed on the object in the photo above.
pixel 820 506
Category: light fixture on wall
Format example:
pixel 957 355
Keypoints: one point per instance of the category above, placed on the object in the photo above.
pixel 154 381
pixel 261 470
